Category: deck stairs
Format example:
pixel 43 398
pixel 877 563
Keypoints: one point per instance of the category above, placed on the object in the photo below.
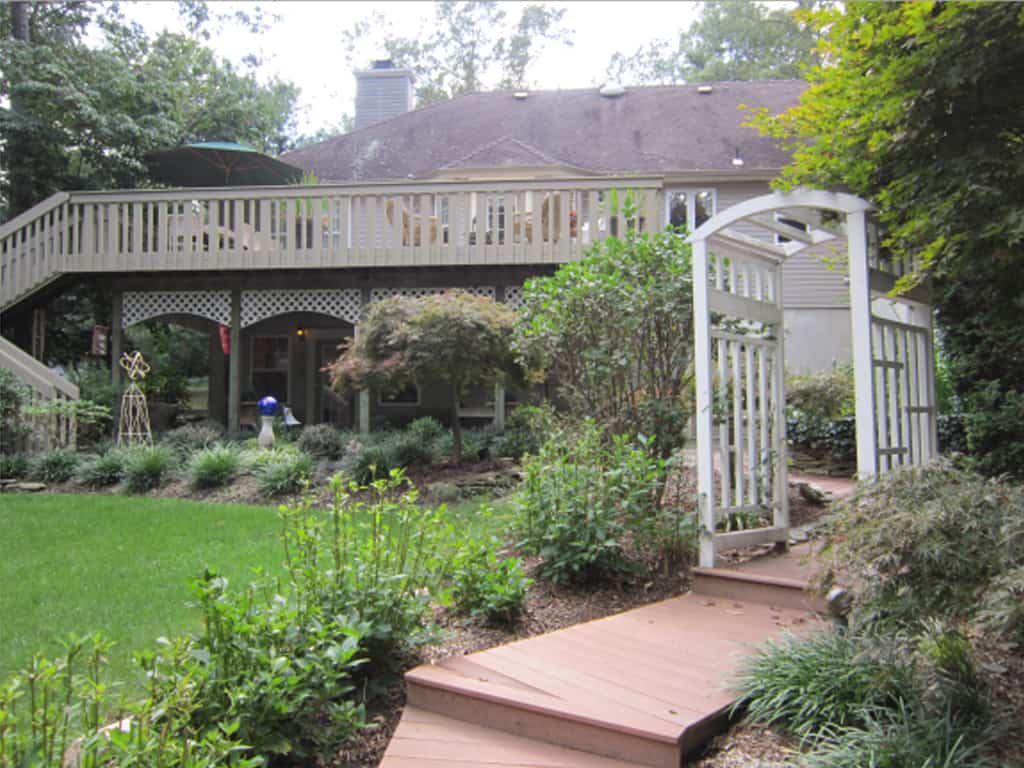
pixel 641 688
pixel 42 384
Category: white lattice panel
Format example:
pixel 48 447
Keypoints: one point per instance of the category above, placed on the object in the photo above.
pixel 514 296
pixel 485 291
pixel 144 305
pixel 343 304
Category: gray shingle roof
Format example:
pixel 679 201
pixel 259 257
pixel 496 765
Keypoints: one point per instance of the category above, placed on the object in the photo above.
pixel 652 129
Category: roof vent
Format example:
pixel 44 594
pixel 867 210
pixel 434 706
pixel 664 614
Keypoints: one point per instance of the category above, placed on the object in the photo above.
pixel 520 95
pixel 611 90
pixel 705 89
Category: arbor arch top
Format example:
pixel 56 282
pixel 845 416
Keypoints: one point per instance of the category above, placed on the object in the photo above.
pixel 739 350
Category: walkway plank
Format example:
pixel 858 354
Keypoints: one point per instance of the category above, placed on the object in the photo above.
pixel 642 687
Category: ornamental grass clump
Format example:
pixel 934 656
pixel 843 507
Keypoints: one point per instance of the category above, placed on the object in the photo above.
pixel 190 438
pixel 104 470
pixel 148 467
pixel 214 467
pixel 282 471
pixel 323 441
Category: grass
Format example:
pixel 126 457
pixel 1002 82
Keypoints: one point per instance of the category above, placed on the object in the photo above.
pixel 82 563
pixel 117 565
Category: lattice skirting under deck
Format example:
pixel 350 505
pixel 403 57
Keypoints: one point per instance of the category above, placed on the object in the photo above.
pixel 145 305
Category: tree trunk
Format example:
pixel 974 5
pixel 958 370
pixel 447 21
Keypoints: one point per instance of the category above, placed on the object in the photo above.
pixel 456 428
pixel 18 151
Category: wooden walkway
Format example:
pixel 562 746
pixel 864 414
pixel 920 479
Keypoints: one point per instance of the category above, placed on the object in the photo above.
pixel 643 687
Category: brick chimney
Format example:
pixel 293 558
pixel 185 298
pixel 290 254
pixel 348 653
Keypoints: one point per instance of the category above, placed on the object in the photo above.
pixel 382 92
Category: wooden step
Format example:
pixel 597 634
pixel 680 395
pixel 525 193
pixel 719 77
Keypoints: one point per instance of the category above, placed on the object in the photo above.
pixel 425 738
pixel 781 592
pixel 645 686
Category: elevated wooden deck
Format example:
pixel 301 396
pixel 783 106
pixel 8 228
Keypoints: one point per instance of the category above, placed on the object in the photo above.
pixel 641 688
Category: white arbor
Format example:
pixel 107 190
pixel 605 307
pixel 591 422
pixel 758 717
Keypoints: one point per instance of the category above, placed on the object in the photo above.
pixel 740 356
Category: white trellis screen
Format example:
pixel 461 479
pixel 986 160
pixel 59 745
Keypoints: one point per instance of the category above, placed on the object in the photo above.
pixel 738 258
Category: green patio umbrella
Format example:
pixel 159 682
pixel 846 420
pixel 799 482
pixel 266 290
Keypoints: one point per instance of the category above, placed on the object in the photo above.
pixel 219 164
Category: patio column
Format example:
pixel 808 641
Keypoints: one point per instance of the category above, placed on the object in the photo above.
pixel 235 363
pixel 116 340
pixel 217 387
pixel 499 407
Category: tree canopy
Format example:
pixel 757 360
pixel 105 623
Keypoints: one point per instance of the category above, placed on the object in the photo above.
pixel 919 109
pixel 454 337
pixel 732 40
pixel 82 115
pixel 468 47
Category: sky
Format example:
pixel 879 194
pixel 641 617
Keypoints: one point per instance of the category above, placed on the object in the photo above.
pixel 305 46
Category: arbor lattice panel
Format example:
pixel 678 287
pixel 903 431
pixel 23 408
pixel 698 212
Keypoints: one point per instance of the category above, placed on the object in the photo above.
pixel 145 305
pixel 485 291
pixel 343 304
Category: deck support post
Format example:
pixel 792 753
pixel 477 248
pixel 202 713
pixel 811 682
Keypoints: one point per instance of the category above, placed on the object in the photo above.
pixel 235 363
pixel 499 407
pixel 116 342
pixel 363 411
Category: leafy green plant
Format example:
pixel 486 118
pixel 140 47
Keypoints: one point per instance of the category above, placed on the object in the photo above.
pixel 14 465
pixel 322 441
pixel 822 682
pixel 13 428
pixel 103 470
pixel 474 445
pixel 147 468
pixel 54 466
pixel 577 495
pixel 483 584
pixel 1002 606
pixel 922 542
pixel 284 472
pixel 214 467
pixel 190 438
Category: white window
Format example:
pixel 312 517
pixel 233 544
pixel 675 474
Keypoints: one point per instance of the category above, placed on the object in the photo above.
pixel 689 207
pixel 407 395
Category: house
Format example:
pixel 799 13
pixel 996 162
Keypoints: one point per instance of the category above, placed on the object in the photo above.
pixel 480 192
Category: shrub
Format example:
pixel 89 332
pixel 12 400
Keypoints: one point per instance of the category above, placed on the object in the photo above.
pixel 214 467
pixel 284 472
pixel 577 494
pixel 828 680
pixel 485 585
pixel 147 468
pixel 14 465
pixel 378 555
pixel 103 470
pixel 191 438
pixel 54 466
pixel 409 449
pixel 526 430
pixel 474 445
pixel 922 542
pixel 427 430
pixel 822 395
pixel 322 441
pixel 366 462
pixel 1002 606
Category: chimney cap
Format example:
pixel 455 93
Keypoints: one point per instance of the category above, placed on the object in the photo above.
pixel 383 64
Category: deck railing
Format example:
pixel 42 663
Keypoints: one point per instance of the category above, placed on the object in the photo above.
pixel 326 226
pixel 43 384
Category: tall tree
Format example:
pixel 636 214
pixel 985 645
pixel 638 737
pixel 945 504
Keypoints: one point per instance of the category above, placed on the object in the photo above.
pixel 920 109
pixel 83 116
pixel 732 40
pixel 469 46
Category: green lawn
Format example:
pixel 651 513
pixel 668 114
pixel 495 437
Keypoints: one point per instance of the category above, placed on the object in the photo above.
pixel 81 563
pixel 118 565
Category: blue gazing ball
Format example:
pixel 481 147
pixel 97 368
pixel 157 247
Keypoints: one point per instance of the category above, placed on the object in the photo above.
pixel 267 405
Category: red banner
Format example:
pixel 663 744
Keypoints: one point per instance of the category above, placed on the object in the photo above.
pixel 225 339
